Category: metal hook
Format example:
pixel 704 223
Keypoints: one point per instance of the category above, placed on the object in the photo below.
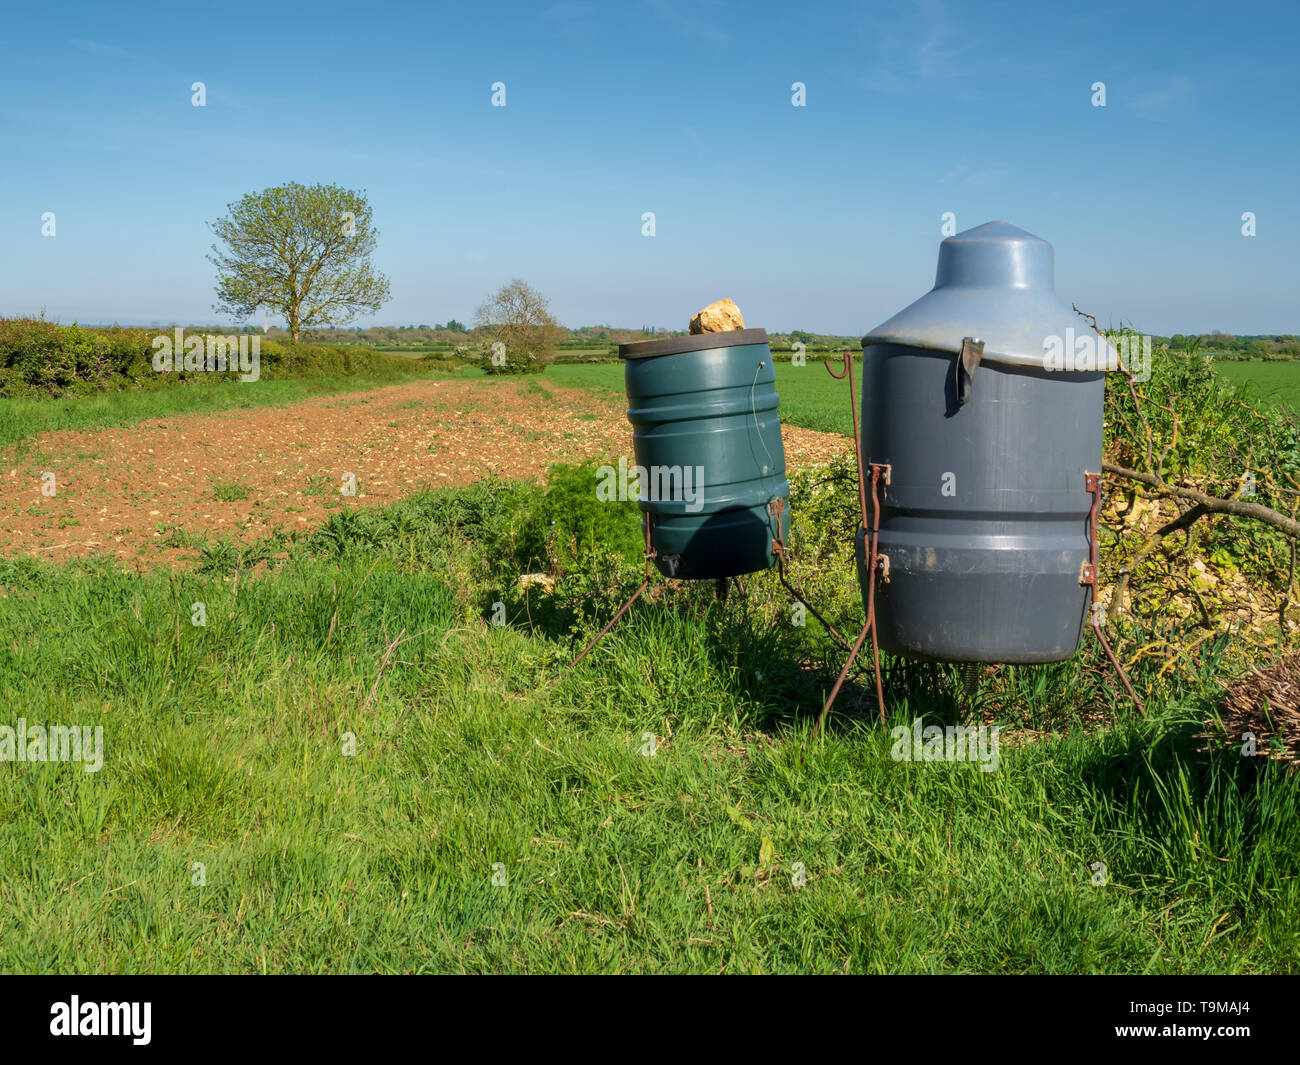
pixel 844 362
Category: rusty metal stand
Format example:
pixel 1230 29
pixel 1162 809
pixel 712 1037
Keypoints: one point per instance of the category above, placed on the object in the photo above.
pixel 876 566
pixel 776 508
pixel 649 557
pixel 876 563
pixel 1088 576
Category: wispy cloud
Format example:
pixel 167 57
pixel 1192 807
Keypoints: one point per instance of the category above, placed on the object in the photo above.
pixel 1169 93
pixel 964 174
pixel 920 40
pixel 684 19
pixel 568 10
pixel 940 48
pixel 106 51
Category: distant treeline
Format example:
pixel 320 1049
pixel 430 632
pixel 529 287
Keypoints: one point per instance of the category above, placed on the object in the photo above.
pixel 596 340
pixel 1228 346
pixel 454 334
pixel 41 358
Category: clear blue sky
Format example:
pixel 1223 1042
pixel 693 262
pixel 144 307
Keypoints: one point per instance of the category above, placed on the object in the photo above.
pixel 825 217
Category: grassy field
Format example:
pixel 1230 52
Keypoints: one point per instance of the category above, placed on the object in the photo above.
pixel 23 417
pixel 1276 384
pixel 810 397
pixel 349 768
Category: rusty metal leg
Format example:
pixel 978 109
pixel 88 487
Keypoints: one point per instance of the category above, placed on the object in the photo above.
pixel 879 472
pixel 1105 646
pixel 612 621
pixel 798 596
pixel 775 508
pixel 649 556
pixel 874 562
pixel 839 683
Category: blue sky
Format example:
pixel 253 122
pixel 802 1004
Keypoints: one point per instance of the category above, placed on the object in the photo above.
pixel 825 217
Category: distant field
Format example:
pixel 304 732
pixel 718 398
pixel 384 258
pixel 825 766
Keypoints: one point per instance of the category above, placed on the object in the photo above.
pixel 418 351
pixel 1275 383
pixel 27 416
pixel 810 397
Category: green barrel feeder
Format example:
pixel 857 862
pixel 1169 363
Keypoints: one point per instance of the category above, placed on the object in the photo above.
pixel 705 429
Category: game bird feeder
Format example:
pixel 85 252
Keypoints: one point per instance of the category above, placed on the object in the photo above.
pixel 981 455
pixel 704 412
pixel 706 436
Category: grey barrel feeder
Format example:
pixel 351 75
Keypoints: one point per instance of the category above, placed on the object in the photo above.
pixel 706 431
pixel 983 401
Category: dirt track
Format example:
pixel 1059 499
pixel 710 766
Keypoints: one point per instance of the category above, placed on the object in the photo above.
pixel 133 492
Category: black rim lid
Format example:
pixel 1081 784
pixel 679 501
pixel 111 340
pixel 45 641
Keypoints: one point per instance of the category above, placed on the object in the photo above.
pixel 642 349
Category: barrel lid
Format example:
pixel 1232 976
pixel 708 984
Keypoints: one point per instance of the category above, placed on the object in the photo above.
pixel 732 338
pixel 995 283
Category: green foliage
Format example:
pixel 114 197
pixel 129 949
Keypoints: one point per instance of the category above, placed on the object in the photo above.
pixel 571 528
pixel 40 358
pixel 1190 427
pixel 825 506
pixel 301 250
pixel 1225 346
pixel 229 491
pixel 516 331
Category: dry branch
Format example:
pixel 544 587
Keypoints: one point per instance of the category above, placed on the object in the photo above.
pixel 1212 504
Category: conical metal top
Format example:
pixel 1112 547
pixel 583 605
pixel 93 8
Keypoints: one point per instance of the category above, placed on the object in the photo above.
pixel 996 283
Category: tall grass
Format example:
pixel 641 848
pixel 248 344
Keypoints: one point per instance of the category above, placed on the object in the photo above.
pixel 476 759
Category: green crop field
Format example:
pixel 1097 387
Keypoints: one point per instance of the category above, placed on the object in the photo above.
pixel 810 397
pixel 1274 383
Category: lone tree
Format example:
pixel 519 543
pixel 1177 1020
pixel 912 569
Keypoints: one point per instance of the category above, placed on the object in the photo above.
pixel 302 251
pixel 520 334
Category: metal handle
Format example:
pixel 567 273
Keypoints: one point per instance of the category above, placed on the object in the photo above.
pixel 972 349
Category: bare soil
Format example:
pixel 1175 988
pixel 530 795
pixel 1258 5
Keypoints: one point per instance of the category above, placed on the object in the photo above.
pixel 148 491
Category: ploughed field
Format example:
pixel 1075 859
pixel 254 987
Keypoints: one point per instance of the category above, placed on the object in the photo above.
pixel 157 489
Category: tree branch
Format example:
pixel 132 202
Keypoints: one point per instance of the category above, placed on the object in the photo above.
pixel 1212 504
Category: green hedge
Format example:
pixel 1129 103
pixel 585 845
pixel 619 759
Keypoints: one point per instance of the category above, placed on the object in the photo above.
pixel 40 358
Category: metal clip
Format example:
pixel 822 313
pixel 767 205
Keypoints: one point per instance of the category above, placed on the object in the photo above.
pixel 972 350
